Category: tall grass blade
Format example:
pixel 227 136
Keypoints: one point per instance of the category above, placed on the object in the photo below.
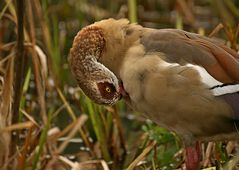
pixel 5 8
pixel 42 141
pixel 132 8
pixel 98 129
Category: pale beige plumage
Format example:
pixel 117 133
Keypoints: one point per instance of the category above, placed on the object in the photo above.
pixel 153 66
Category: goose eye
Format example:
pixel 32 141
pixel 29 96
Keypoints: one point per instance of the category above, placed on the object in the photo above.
pixel 107 89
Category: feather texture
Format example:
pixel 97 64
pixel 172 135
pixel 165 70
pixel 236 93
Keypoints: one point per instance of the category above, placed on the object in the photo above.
pixel 218 88
pixel 182 81
pixel 172 76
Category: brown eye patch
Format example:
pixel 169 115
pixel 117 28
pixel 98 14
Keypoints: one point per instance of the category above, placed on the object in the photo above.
pixel 107 90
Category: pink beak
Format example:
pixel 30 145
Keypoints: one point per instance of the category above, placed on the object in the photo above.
pixel 122 90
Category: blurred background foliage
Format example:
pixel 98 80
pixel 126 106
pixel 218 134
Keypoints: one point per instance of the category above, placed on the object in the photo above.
pixel 45 120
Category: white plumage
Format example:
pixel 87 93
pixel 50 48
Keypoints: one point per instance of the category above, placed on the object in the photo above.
pixel 218 88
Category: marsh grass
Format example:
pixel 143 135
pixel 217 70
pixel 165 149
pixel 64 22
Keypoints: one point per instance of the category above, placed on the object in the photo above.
pixel 46 122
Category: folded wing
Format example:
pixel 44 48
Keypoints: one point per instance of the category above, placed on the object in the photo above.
pixel 183 47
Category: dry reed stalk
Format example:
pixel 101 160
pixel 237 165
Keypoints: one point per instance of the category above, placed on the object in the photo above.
pixel 5 113
pixel 78 124
pixel 141 156
pixel 40 81
pixel 63 132
pixel 232 164
pixel 18 70
pixel 81 165
pixel 216 30
pixel 73 117
pixel 186 10
pixel 206 161
pixel 29 118
pixel 119 127
pixel 18 126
